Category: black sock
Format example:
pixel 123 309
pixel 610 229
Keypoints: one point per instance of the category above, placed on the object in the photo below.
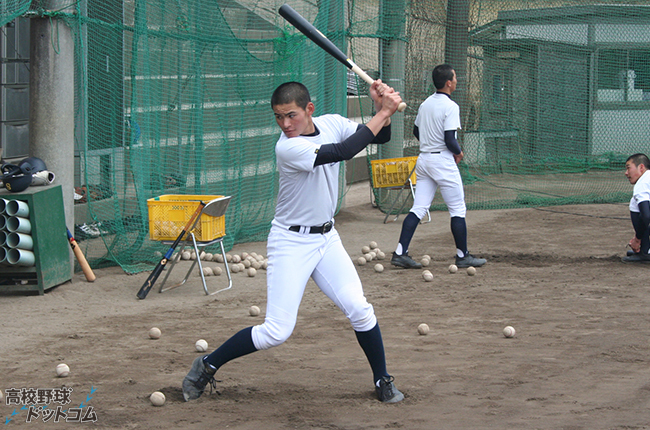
pixel 408 229
pixel 459 231
pixel 373 346
pixel 237 346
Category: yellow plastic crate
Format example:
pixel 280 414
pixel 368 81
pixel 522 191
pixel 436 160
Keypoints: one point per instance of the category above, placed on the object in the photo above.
pixel 392 172
pixel 169 213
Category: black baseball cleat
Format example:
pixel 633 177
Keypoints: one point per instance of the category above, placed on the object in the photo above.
pixel 404 261
pixel 198 378
pixel 469 261
pixel 386 391
pixel 636 258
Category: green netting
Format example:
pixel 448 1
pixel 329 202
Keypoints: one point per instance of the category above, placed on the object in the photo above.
pixel 173 98
pixel 11 9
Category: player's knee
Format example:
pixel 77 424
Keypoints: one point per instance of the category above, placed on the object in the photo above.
pixel 363 319
pixel 459 210
pixel 419 212
pixel 272 334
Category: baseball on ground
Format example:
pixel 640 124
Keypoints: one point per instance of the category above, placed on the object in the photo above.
pixel 217 270
pixel 207 271
pixel 373 244
pixel 427 276
pixel 157 398
pixel 254 311
pixel 453 268
pixel 423 329
pixel 509 331
pixel 471 271
pixel 361 261
pixel 251 272
pixel 365 249
pixel 154 333
pixel 379 268
pixel 201 345
pixel 381 255
pixel 62 370
pixel 425 261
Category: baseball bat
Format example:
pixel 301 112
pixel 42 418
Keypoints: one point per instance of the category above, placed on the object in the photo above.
pixel 81 259
pixel 148 284
pixel 306 28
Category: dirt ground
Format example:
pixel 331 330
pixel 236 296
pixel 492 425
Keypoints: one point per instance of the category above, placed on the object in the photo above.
pixel 579 359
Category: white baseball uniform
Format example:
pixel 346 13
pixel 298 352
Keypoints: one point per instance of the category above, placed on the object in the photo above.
pixel 436 167
pixel 308 197
pixel 641 191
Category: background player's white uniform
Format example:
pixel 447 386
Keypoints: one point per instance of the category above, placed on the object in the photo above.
pixel 436 167
pixel 641 191
pixel 308 197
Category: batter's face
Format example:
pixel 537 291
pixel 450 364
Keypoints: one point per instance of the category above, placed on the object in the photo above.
pixel 294 120
pixel 633 172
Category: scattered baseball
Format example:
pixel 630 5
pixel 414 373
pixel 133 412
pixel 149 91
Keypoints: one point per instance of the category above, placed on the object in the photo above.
pixel 256 264
pixel 207 271
pixel 236 258
pixel 246 263
pixel 234 268
pixel 244 255
pixel 379 268
pixel 427 276
pixel 208 256
pixel 218 258
pixel 202 255
pixel 228 258
pixel 251 272
pixel 157 398
pixel 365 249
pixel 62 370
pixel 185 255
pixel 453 268
pixel 381 255
pixel 427 256
pixel 201 345
pixel 265 264
pixel 423 329
pixel 471 271
pixel 2 396
pixel 217 271
pixel 193 256
pixel 154 333
pixel 373 244
pixel 509 331
pixel 361 261
pixel 254 311
pixel 425 261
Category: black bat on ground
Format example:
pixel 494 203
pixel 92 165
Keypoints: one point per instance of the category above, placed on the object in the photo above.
pixel 148 284
pixel 306 28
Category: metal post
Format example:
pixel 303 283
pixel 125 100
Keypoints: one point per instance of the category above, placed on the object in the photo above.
pixel 51 100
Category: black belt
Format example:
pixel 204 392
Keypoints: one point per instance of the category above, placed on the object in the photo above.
pixel 321 229
pixel 436 152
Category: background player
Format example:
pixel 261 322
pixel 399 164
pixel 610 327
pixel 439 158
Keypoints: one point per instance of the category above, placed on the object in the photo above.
pixel 636 171
pixel 435 127
pixel 303 242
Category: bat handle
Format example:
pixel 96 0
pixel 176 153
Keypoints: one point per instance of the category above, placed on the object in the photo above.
pixel 363 75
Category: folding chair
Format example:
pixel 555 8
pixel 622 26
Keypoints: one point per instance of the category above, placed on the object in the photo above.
pixel 395 174
pixel 214 208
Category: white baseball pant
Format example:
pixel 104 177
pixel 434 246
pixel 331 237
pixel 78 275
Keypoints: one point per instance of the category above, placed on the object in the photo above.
pixel 293 259
pixel 435 171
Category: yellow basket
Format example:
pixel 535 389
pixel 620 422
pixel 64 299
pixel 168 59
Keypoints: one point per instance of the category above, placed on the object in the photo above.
pixel 169 213
pixel 392 172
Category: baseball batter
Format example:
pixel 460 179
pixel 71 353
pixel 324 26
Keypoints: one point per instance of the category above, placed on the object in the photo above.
pixel 303 242
pixel 636 171
pixel 436 124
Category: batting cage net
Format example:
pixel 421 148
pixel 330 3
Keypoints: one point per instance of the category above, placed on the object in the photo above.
pixel 172 97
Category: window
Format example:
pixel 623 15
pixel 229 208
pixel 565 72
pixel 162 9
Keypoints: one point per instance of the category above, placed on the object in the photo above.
pixel 623 75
